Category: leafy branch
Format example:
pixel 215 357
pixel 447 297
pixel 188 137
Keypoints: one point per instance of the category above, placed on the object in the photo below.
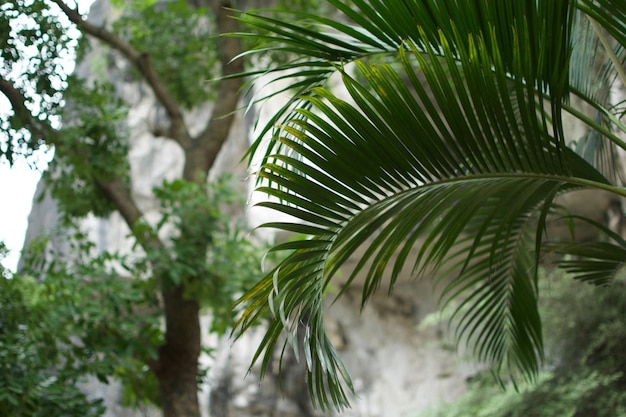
pixel 178 130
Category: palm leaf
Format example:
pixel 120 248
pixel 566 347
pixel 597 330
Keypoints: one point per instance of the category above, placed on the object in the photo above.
pixel 331 43
pixel 446 160
pixel 593 262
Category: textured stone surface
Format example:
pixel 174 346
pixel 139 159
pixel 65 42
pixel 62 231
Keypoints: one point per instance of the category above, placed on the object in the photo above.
pixel 397 366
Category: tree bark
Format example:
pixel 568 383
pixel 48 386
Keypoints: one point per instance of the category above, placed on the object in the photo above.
pixel 178 357
pixel 201 154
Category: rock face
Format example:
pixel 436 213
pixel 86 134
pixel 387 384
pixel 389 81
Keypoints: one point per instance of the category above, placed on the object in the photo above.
pixel 398 365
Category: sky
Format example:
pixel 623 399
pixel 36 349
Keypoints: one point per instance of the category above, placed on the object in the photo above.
pixel 17 186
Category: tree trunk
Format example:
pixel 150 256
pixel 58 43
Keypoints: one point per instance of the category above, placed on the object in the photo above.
pixel 178 357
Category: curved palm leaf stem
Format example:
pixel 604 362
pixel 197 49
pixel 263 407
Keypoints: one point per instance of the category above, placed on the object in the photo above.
pixel 589 121
pixel 607 46
pixel 621 191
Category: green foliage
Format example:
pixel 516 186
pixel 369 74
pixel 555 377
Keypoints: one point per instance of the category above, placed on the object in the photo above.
pixel 95 315
pixel 134 4
pixel 37 42
pixel 34 44
pixel 37 376
pixel 180 42
pixel 210 250
pixel 93 147
pixel 585 334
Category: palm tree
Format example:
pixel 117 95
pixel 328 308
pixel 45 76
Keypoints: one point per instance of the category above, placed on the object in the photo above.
pixel 453 133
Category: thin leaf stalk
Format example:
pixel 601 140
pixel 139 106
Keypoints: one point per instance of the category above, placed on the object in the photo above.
pixel 609 50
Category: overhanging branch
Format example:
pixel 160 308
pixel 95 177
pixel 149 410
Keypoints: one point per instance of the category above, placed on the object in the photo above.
pixel 141 61
pixel 21 111
pixel 117 192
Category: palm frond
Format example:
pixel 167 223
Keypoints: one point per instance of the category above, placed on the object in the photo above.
pixel 447 158
pixel 590 68
pixel 539 31
pixel 594 262
pixel 597 263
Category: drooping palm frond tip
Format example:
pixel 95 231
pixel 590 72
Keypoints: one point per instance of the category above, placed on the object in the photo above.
pixel 446 155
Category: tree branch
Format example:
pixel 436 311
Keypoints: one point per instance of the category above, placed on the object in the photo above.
pixel 178 130
pixel 24 115
pixel 119 194
pixel 201 156
pixel 114 188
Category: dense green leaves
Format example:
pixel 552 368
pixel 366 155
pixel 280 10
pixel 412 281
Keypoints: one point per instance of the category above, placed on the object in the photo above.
pixel 441 149
pixel 180 41
pixel 43 330
pixel 94 143
pixel 38 42
pixel 101 314
pixel 35 47
pixel 210 251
